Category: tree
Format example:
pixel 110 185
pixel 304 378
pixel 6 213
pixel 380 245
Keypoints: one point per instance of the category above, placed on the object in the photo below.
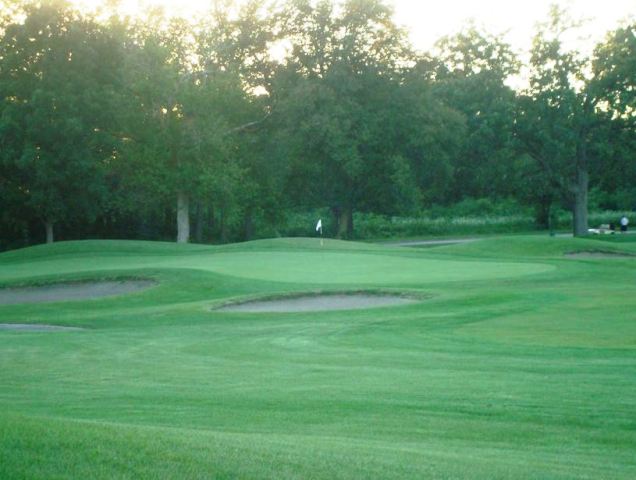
pixel 614 73
pixel 183 121
pixel 333 104
pixel 430 134
pixel 558 116
pixel 614 84
pixel 58 75
pixel 470 77
pixel 240 46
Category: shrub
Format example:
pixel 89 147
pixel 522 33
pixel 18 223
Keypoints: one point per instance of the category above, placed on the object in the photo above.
pixel 491 217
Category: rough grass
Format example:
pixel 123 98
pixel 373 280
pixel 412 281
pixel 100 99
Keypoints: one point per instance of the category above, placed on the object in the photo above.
pixel 525 374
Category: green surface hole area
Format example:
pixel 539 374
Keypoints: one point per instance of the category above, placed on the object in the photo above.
pixel 310 267
pixel 347 268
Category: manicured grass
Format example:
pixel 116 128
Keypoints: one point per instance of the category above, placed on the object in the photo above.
pixel 518 363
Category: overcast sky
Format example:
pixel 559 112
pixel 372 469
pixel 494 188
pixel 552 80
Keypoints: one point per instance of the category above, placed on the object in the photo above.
pixel 428 20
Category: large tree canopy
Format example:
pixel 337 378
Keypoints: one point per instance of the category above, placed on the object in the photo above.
pixel 471 75
pixel 563 119
pixel 58 77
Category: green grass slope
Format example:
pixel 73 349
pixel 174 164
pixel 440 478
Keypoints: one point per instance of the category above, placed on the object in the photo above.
pixel 519 362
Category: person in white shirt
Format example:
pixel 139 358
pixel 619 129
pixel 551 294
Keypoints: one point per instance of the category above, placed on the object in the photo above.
pixel 624 223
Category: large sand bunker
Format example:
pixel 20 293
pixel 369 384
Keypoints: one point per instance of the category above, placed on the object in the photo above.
pixel 63 292
pixel 598 254
pixel 313 303
pixel 25 327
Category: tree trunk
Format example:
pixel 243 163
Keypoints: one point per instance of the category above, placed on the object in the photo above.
pixel 543 211
pixel 345 223
pixel 223 226
pixel 211 220
pixel 183 217
pixel 199 226
pixel 248 225
pixel 48 225
pixel 579 209
pixel 26 236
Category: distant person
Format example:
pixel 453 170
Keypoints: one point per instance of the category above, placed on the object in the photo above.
pixel 624 223
pixel 612 227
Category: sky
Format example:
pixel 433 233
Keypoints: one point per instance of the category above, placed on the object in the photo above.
pixel 428 20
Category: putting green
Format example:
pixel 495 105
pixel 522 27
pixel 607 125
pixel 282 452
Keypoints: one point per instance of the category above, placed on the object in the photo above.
pixel 349 268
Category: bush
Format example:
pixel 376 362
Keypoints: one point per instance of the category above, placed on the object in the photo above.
pixel 303 223
pixel 469 217
pixel 619 200
pixel 444 221
pixel 376 226
pixel 479 207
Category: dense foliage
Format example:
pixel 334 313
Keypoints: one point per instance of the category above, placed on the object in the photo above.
pixel 198 131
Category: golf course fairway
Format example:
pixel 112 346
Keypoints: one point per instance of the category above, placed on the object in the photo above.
pixel 514 361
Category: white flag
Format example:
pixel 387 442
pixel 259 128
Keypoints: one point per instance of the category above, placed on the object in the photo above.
pixel 319 226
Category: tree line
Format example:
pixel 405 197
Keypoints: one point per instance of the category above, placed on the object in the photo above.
pixel 211 130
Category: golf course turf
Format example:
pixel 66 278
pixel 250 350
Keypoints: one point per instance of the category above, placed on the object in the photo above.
pixel 518 361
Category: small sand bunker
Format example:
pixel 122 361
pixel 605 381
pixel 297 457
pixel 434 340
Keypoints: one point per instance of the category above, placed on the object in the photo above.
pixel 319 303
pixel 598 254
pixel 63 292
pixel 25 327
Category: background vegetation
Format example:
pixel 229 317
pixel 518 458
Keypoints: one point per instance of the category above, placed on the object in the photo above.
pixel 113 128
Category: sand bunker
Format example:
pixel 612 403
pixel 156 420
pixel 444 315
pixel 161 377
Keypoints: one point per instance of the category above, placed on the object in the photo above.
pixel 25 327
pixel 597 254
pixel 63 292
pixel 314 303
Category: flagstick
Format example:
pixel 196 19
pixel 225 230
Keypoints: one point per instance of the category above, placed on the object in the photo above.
pixel 319 227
